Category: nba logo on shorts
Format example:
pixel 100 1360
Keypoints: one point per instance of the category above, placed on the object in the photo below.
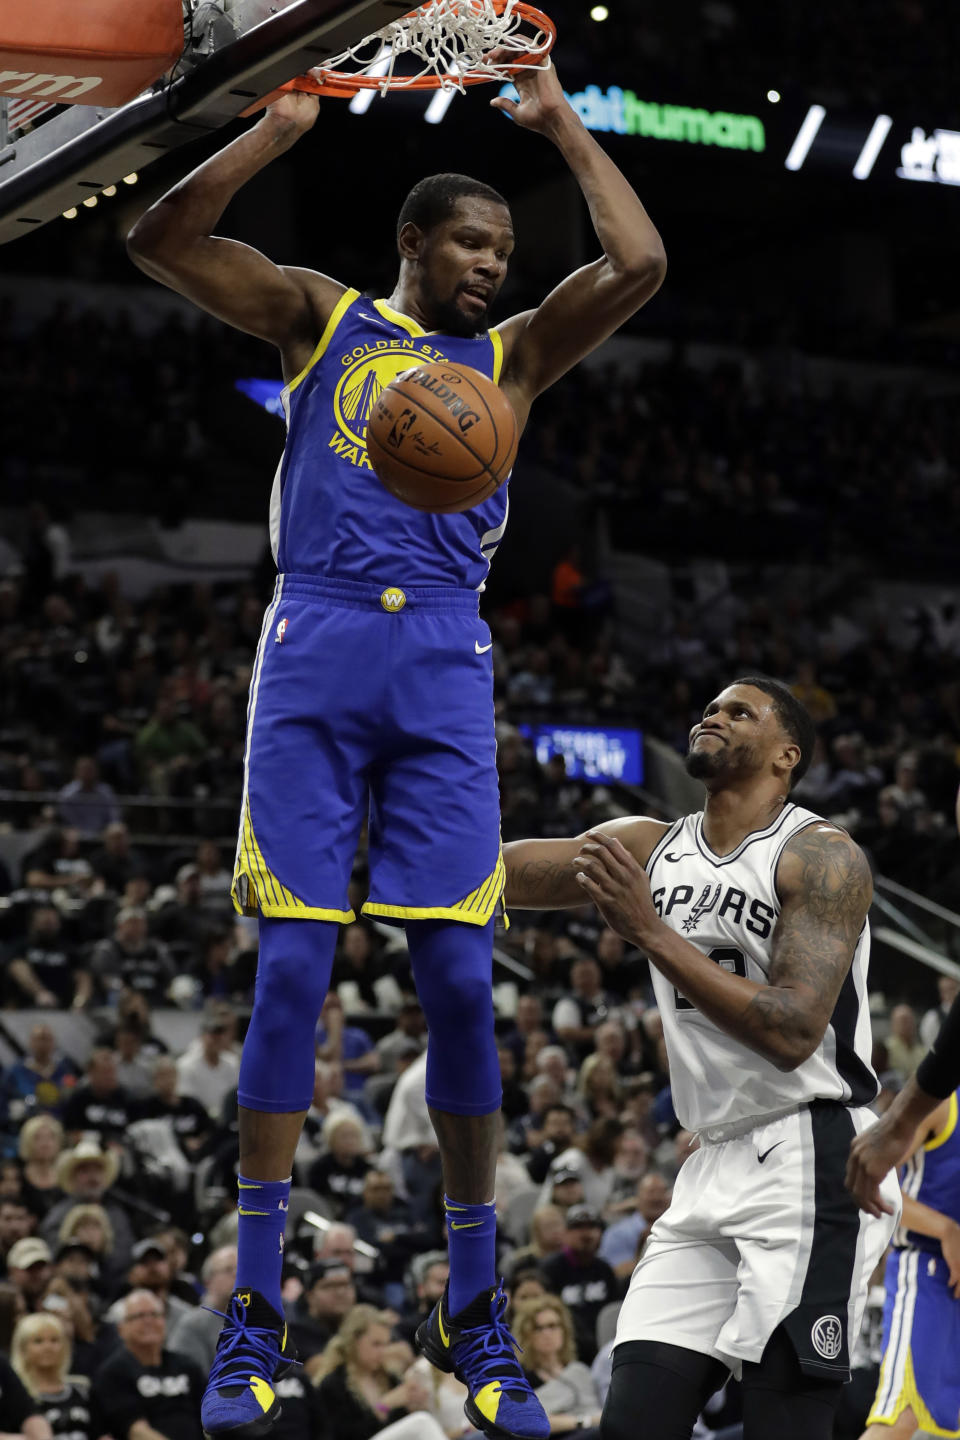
pixel 827 1337
pixel 281 631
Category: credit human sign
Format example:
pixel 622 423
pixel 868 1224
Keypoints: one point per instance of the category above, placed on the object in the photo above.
pixel 621 112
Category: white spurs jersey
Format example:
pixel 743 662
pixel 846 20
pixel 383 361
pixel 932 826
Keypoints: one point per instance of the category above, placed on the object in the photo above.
pixel 727 906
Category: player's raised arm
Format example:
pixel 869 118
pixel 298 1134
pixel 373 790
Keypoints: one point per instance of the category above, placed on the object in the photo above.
pixel 541 874
pixel 825 887
pixel 587 307
pixel 173 243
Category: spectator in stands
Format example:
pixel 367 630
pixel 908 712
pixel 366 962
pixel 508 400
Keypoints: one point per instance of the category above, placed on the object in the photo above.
pixel 116 862
pixel 584 1282
pixel 85 802
pixel 190 1120
pixel 328 1296
pixel 558 1134
pixel 77 1263
pixel 132 960
pixel 41 1142
pixel 563 1188
pixel 577 1015
pixel 196 1331
pixel 410 1028
pixel 630 1161
pixel 184 918
pixel 42 1080
pixel 90 1227
pixel 947 989
pixel 168 749
pixel 349 1045
pixel 41 1355
pixel 527 1021
pixel 19 1414
pixel 168 1404
pixel 360 1397
pixel 544 1331
pixel 591 1158
pixel 57 864
pixel 149 1269
pixel 428 1276
pixel 598 1088
pixel 340 1174
pixel 387 1222
pixel 210 1073
pixel 16 1223
pixel 513 1103
pixel 86 1175
pixel 620 1246
pixel 100 1104
pixel 44 967
pixel 29 1265
pixel 214 878
pixel 905 1049
pixel 526 1134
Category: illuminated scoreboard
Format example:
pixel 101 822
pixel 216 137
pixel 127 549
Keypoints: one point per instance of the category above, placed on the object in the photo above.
pixel 597 754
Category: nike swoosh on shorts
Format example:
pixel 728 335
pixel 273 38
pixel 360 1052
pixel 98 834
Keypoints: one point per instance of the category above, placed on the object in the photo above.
pixel 482 649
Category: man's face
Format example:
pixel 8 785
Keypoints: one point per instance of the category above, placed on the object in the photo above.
pixel 653 1197
pixel 558 1127
pixel 103 1073
pixel 15 1222
pixel 32 1281
pixel 529 1013
pixel 42 1044
pixel 584 1240
pixel 331 1297
pixel 132 932
pixel 45 923
pixel 378 1192
pixel 434 1282
pixel 88 1178
pixel 739 735
pixel 463 262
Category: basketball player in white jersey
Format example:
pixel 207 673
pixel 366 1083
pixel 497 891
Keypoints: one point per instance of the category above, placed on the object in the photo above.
pixel 754 917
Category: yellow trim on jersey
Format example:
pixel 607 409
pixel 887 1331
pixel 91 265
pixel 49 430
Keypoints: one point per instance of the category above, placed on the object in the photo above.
pixel 474 909
pixel 496 340
pixel 252 876
pixel 909 1395
pixel 347 298
pixel 398 318
pixel 948 1129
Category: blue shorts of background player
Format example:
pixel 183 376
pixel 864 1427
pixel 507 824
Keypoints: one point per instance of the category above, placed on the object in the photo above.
pixel 921 1346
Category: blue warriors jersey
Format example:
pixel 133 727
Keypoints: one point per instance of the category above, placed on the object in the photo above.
pixel 329 514
pixel 932 1177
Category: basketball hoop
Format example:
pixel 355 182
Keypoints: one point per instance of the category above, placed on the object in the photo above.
pixel 449 41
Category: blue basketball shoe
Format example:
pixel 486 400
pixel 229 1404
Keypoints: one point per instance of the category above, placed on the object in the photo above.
pixel 478 1348
pixel 253 1350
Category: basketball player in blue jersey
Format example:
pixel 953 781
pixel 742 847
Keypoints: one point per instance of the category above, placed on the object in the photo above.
pixel 919 1387
pixel 753 914
pixel 372 693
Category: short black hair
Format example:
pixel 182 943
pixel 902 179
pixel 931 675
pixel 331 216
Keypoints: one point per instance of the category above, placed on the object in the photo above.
pixel 794 718
pixel 434 199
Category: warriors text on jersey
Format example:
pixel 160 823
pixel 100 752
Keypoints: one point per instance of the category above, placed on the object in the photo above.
pixel 329 514
pixel 727 906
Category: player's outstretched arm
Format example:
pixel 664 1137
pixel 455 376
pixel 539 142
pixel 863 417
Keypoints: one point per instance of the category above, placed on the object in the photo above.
pixel 587 307
pixel 874 1153
pixel 173 243
pixel 825 887
pixel 541 874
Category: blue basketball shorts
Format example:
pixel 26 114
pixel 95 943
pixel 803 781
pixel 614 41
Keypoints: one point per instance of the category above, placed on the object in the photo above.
pixel 921 1345
pixel 370 704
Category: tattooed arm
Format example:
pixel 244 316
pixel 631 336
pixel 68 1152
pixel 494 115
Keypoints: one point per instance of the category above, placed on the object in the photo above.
pixel 825 888
pixel 541 875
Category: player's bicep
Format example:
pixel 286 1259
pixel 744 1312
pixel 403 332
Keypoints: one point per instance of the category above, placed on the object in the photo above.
pixel 826 889
pixel 238 285
pixel 584 310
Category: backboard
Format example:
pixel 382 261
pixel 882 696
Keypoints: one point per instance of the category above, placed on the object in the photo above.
pixel 54 156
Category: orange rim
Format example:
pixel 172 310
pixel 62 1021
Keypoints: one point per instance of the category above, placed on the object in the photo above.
pixel 337 84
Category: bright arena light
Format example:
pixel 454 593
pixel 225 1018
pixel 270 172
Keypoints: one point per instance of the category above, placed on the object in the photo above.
pixel 773 96
pixel 90 201
pixel 131 179
pixel 599 12
pixel 70 214
pixel 110 190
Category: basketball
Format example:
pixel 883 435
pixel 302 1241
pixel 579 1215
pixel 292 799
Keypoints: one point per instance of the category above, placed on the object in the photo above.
pixel 442 437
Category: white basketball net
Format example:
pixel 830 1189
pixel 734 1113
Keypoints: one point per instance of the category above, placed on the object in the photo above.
pixel 453 39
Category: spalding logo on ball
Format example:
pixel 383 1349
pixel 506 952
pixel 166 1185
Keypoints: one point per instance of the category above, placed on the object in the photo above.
pixel 442 437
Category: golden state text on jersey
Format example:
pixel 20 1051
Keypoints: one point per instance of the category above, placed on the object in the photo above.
pixel 329 514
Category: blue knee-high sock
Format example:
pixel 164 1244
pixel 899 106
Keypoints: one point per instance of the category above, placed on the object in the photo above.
pixel 453 969
pixel 262 1207
pixel 472 1240
pixel 277 1077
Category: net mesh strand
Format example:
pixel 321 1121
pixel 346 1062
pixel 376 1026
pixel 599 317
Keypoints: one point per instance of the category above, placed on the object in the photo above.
pixel 452 39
